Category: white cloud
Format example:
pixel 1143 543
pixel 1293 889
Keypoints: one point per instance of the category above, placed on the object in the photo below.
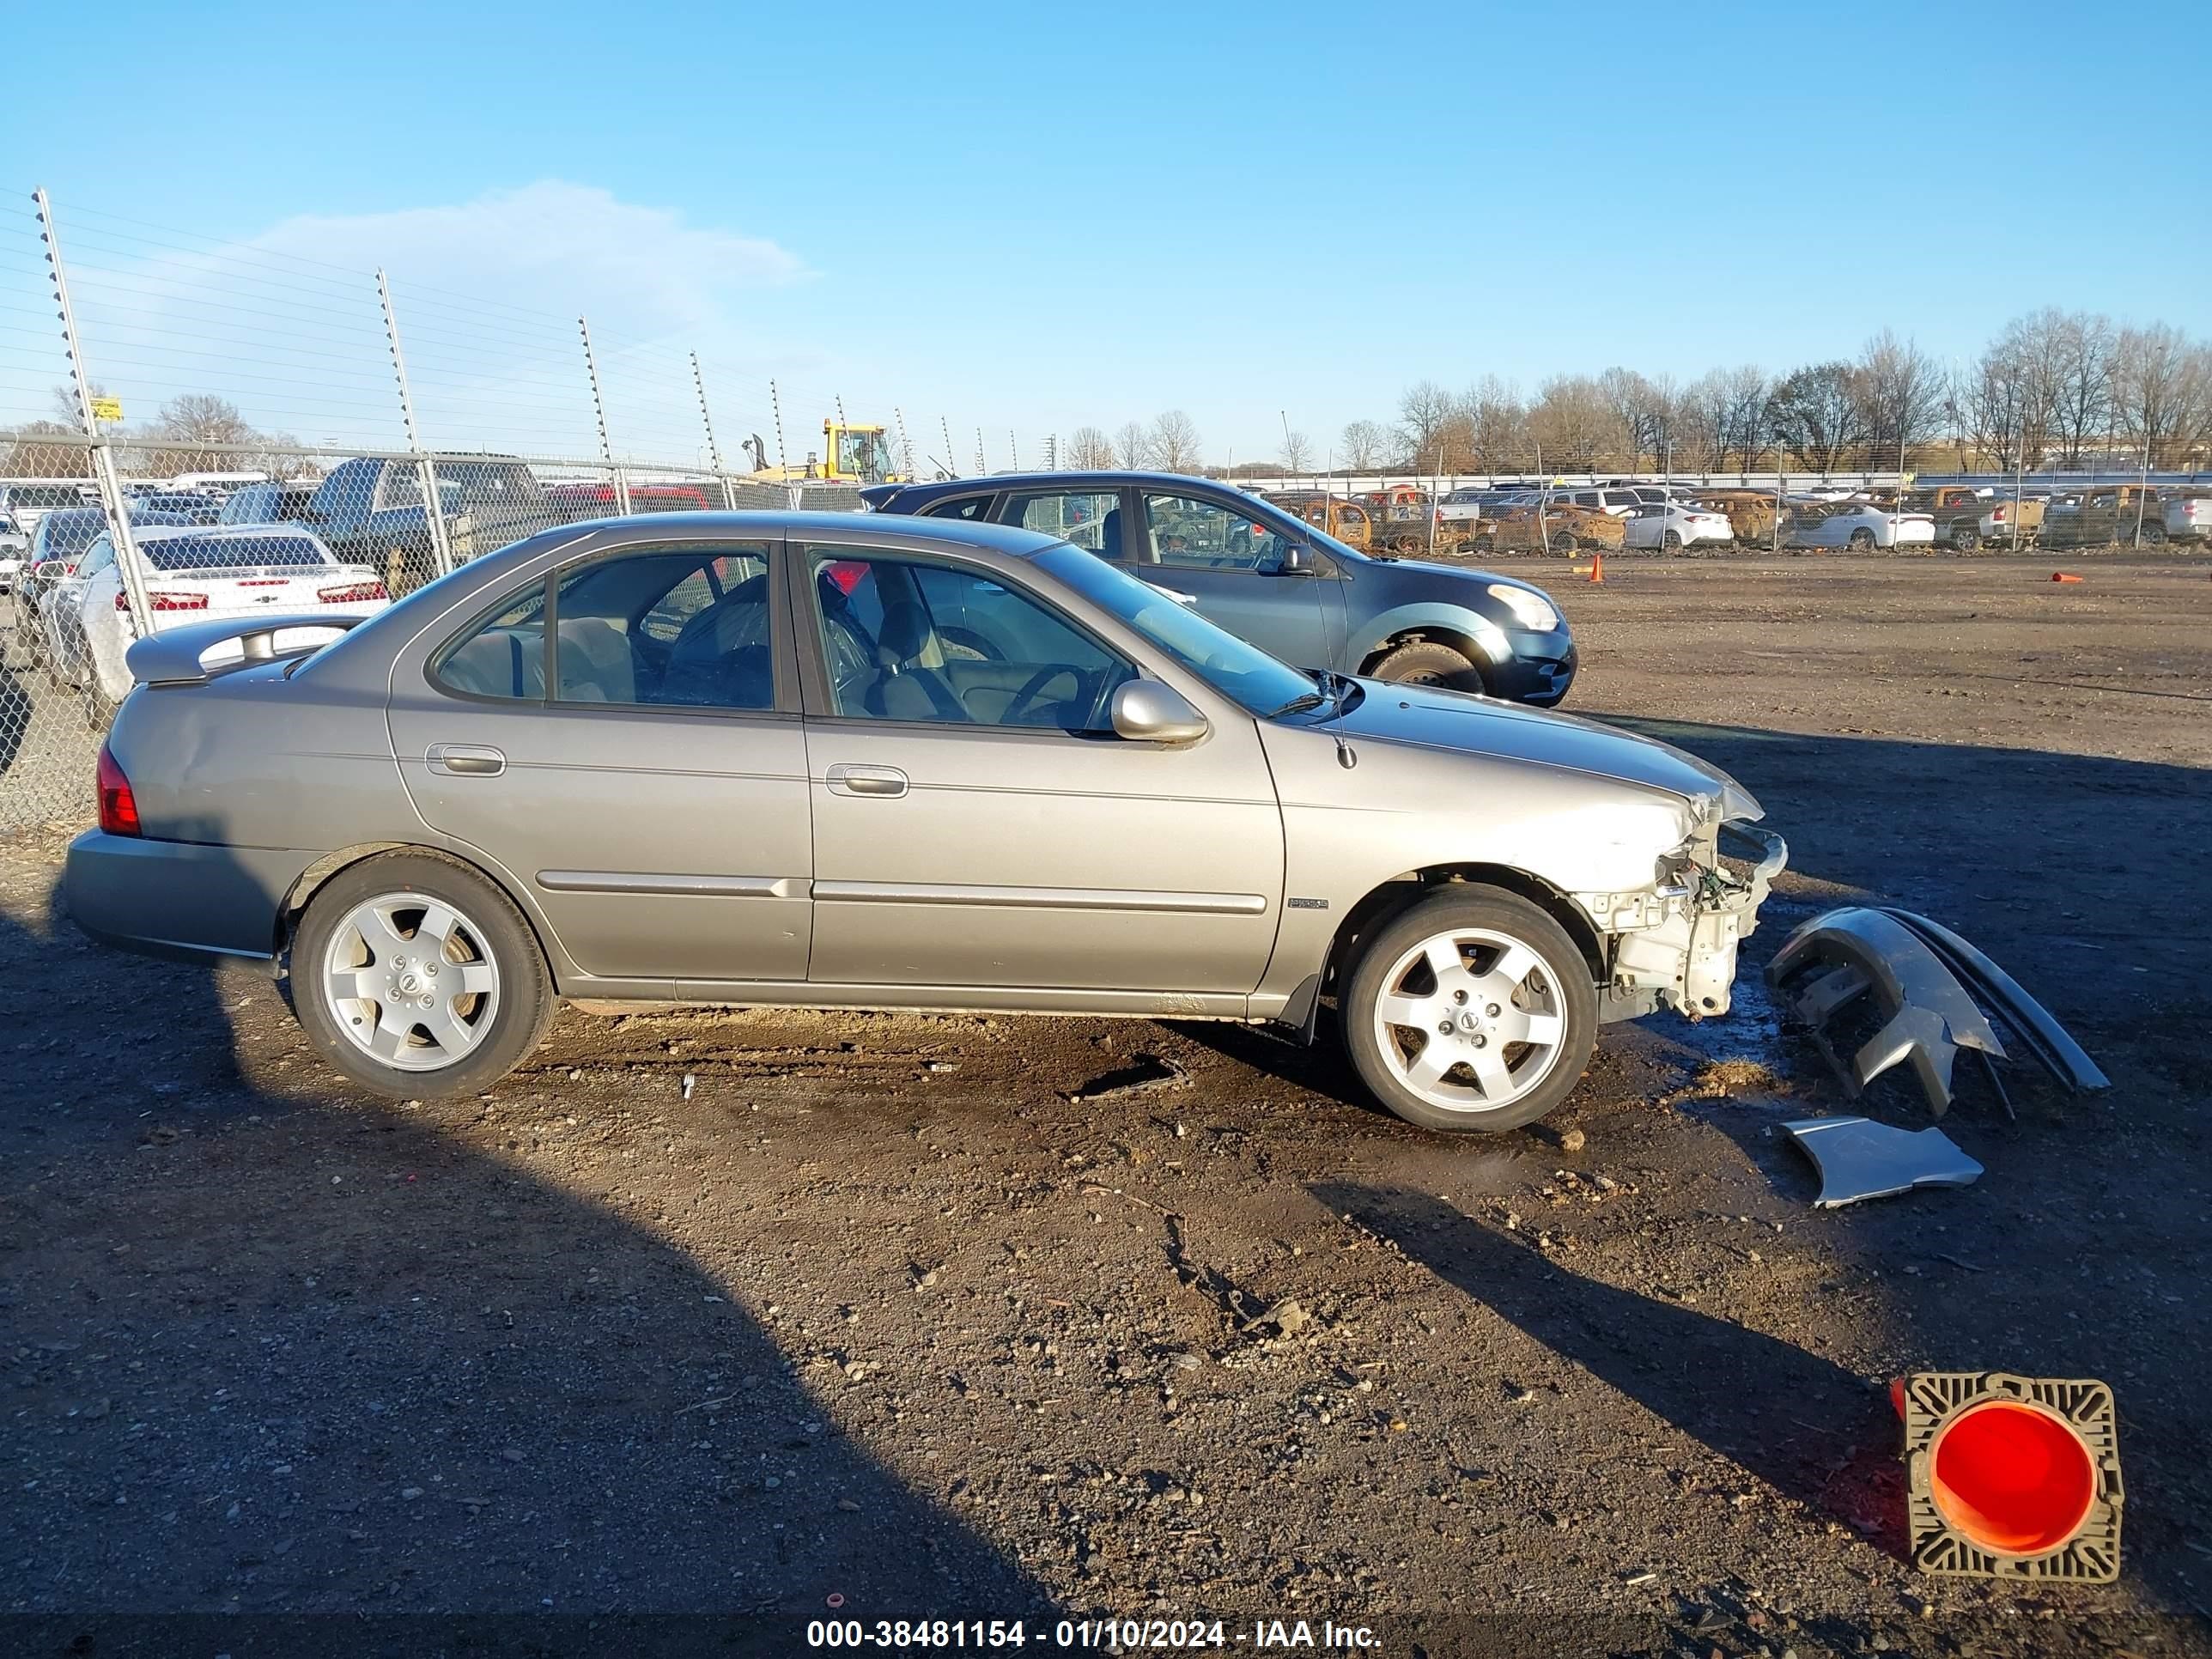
pixel 565 248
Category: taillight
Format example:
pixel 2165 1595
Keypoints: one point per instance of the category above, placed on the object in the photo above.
pixel 355 594
pixel 118 811
pixel 166 602
pixel 1998 514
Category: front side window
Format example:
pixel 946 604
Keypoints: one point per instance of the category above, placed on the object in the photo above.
pixel 687 627
pixel 964 506
pixel 1192 534
pixel 1092 518
pixel 911 640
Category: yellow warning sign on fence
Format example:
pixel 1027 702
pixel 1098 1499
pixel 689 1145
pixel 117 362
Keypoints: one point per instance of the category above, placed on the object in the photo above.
pixel 108 409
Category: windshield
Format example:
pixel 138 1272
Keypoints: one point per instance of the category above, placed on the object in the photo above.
pixel 1243 672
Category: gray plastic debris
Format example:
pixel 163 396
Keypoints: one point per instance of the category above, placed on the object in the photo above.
pixel 1928 1015
pixel 1858 1158
pixel 2047 1040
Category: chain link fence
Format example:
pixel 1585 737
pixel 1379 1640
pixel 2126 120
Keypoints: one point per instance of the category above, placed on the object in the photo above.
pixel 153 385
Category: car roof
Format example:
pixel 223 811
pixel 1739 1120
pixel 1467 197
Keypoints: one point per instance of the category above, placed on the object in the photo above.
pixel 756 525
pixel 151 533
pixel 1104 479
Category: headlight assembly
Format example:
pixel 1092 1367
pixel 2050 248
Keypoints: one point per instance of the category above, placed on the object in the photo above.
pixel 1530 609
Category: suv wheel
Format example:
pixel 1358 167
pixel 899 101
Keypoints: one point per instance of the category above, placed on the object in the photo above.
pixel 415 976
pixel 1423 662
pixel 1965 538
pixel 1472 1012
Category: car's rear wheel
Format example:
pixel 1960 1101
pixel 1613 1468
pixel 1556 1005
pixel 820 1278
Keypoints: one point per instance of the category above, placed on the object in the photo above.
pixel 1671 541
pixel 1425 662
pixel 1563 541
pixel 1472 1012
pixel 1861 541
pixel 416 976
pixel 2154 534
pixel 1965 538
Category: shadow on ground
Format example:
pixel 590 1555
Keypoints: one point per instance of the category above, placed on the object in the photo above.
pixel 412 1379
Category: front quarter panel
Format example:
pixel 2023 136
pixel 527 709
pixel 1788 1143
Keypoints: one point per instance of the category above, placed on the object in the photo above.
pixel 1403 808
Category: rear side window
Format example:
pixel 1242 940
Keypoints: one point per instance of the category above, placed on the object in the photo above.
pixel 504 656
pixel 961 507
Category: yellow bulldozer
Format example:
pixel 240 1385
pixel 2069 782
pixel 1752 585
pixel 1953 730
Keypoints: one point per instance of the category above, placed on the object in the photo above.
pixel 856 454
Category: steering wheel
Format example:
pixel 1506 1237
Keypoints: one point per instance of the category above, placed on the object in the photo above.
pixel 1035 684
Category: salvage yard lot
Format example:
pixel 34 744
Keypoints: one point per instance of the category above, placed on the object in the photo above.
pixel 887 1309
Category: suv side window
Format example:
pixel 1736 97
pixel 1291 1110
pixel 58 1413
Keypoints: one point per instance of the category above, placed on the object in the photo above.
pixel 941 644
pixel 668 627
pixel 960 507
pixel 1188 533
pixel 1092 518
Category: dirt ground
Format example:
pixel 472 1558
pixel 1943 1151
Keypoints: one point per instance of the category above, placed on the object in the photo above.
pixel 790 1317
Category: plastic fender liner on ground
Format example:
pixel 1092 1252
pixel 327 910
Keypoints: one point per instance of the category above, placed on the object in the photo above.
pixel 2011 1477
pixel 1858 1158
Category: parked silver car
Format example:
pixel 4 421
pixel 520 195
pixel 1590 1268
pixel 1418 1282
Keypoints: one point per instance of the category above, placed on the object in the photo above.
pixel 846 762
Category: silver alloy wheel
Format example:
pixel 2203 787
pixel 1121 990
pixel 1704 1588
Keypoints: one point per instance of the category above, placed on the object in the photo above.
pixel 1471 1020
pixel 410 980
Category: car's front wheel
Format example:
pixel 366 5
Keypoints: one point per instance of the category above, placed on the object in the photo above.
pixel 1472 1011
pixel 415 976
pixel 1424 662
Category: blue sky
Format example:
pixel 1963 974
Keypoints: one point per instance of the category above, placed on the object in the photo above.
pixel 1036 217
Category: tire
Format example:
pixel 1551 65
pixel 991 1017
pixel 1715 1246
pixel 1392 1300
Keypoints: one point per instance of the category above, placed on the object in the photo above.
pixel 1669 542
pixel 491 1022
pixel 1860 541
pixel 2154 532
pixel 1564 542
pixel 98 708
pixel 1491 932
pixel 1485 545
pixel 1965 538
pixel 1424 662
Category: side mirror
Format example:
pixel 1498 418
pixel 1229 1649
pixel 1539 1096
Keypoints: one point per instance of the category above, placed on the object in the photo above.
pixel 1296 561
pixel 1145 711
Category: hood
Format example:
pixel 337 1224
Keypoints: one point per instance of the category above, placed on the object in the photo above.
pixel 1481 726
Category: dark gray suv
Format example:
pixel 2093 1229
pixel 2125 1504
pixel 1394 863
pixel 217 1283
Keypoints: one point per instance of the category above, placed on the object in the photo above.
pixel 1286 586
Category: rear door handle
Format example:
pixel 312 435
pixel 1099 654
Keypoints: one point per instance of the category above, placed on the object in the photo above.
pixel 465 760
pixel 867 780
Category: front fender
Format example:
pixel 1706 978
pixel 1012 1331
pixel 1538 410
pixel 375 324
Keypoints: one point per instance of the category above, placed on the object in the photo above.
pixel 1429 615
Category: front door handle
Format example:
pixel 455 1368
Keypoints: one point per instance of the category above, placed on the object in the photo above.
pixel 465 760
pixel 867 780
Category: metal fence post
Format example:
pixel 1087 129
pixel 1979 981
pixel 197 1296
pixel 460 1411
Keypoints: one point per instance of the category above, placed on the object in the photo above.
pixel 782 455
pixel 434 508
pixel 99 454
pixel 599 413
pixel 713 450
pixel 906 444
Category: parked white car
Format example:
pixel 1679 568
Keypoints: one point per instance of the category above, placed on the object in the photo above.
pixel 193 575
pixel 1857 525
pixel 1673 525
pixel 2188 517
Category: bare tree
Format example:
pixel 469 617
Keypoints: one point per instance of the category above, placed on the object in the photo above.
pixel 1817 415
pixel 1497 426
pixel 1574 424
pixel 1424 410
pixel 2079 354
pixel 1363 445
pixel 200 418
pixel 1089 450
pixel 1298 452
pixel 1902 394
pixel 1174 442
pixel 1132 445
pixel 2161 384
pixel 1644 410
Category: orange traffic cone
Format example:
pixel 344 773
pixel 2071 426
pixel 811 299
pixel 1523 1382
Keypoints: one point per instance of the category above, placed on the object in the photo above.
pixel 1597 567
pixel 2064 576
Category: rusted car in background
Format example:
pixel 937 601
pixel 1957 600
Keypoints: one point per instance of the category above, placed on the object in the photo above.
pixel 1750 513
pixel 2106 516
pixel 1566 529
pixel 1348 521
pixel 1956 510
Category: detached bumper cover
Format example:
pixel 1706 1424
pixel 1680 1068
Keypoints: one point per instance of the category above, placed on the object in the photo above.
pixel 179 899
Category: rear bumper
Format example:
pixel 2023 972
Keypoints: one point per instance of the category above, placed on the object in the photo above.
pixel 179 899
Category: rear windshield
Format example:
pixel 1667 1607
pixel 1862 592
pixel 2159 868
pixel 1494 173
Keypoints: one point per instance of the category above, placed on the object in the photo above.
pixel 231 552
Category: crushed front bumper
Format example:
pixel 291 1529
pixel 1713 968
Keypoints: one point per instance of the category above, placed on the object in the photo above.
pixel 1674 945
